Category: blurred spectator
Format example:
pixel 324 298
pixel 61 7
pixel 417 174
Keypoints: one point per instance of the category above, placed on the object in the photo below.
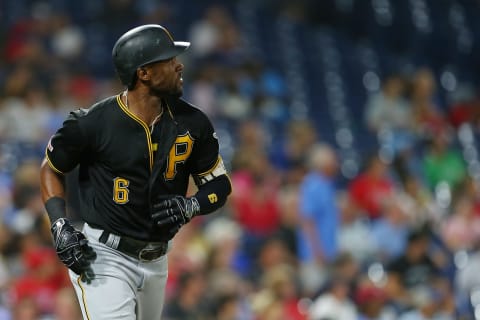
pixel 234 106
pixel 391 230
pixel 256 183
pixel 25 119
pixel 372 302
pixel 319 216
pixel 334 303
pixel 411 270
pixel 461 230
pixel 388 111
pixel 442 163
pixel 371 187
pixel 291 156
pixel 66 305
pixel 426 306
pixel 27 211
pixel 421 206
pixel 43 279
pixel 188 303
pixel 428 118
pixel 207 31
pixel 282 282
pixel 26 309
pixel 355 236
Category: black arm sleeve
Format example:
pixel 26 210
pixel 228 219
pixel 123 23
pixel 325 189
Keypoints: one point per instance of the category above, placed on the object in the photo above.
pixel 213 194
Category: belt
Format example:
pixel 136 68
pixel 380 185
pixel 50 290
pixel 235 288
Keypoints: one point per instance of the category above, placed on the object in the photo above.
pixel 141 250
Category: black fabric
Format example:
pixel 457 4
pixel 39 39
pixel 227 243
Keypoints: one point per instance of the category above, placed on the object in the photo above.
pixel 213 194
pixel 110 146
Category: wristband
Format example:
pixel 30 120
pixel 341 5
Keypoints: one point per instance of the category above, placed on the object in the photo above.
pixel 55 207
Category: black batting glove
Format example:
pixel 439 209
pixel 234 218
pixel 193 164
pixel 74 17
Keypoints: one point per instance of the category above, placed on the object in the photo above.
pixel 175 212
pixel 72 247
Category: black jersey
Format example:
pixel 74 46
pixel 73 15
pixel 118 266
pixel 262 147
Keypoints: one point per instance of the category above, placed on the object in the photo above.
pixel 125 166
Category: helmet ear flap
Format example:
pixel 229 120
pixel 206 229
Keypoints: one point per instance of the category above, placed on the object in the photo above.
pixel 132 82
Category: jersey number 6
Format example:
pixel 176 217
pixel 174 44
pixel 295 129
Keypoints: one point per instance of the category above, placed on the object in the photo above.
pixel 120 190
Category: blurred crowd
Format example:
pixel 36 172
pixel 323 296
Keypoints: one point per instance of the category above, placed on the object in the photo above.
pixel 297 239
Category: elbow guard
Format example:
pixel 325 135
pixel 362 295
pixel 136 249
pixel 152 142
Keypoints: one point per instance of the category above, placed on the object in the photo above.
pixel 213 194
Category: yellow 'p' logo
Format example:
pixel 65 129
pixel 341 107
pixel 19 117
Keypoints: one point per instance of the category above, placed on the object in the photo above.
pixel 179 153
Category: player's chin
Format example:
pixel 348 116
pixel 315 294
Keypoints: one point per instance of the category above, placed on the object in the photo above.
pixel 178 92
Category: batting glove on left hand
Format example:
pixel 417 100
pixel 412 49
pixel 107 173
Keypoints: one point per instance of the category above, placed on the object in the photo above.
pixel 175 211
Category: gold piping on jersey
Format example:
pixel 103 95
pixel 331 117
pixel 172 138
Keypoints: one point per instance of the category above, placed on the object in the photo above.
pixel 83 297
pixel 211 169
pixel 143 124
pixel 50 164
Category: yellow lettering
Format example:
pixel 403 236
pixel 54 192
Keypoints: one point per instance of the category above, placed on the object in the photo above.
pixel 212 197
pixel 179 153
pixel 120 190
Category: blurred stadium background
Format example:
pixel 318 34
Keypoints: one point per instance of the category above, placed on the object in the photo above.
pixel 390 86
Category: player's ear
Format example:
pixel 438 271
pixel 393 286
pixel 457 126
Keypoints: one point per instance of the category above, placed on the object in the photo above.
pixel 142 74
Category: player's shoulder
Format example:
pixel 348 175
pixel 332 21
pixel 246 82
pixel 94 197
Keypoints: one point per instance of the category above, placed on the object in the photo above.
pixel 97 109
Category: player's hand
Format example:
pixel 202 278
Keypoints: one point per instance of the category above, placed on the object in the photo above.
pixel 175 212
pixel 72 248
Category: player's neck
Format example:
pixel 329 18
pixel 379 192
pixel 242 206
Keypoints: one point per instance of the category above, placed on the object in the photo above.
pixel 147 108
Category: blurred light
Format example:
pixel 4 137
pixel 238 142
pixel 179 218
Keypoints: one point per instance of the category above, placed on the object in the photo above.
pixel 465 40
pixel 371 81
pixel 384 135
pixel 465 134
pixel 448 81
pixel 349 168
pixel 474 167
pixel 338 113
pixel 303 305
pixel 420 15
pixel 470 153
pixel 344 137
pixel 475 297
pixel 333 79
pixel 461 259
pixel 386 154
pixel 443 194
pixel 477 312
pixel 376 273
pixel 383 12
pixel 456 15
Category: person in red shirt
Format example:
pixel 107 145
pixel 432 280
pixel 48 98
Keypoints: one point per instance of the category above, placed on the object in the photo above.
pixel 371 187
pixel 44 277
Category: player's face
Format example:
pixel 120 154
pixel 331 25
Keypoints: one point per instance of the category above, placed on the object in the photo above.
pixel 166 77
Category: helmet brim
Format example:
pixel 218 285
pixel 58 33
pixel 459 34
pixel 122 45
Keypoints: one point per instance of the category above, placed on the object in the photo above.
pixel 178 48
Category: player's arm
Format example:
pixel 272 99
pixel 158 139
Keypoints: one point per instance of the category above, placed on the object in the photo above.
pixel 61 156
pixel 214 187
pixel 52 185
pixel 210 176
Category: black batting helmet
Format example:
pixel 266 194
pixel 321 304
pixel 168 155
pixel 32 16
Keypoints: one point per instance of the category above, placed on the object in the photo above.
pixel 143 45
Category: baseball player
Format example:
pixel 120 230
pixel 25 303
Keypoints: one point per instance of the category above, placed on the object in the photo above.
pixel 136 152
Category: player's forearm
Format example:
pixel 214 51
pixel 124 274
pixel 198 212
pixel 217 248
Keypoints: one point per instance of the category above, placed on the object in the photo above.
pixel 213 194
pixel 52 186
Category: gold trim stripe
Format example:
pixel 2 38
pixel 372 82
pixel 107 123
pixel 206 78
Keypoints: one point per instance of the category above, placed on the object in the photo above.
pixel 83 297
pixel 211 169
pixel 143 124
pixel 50 164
